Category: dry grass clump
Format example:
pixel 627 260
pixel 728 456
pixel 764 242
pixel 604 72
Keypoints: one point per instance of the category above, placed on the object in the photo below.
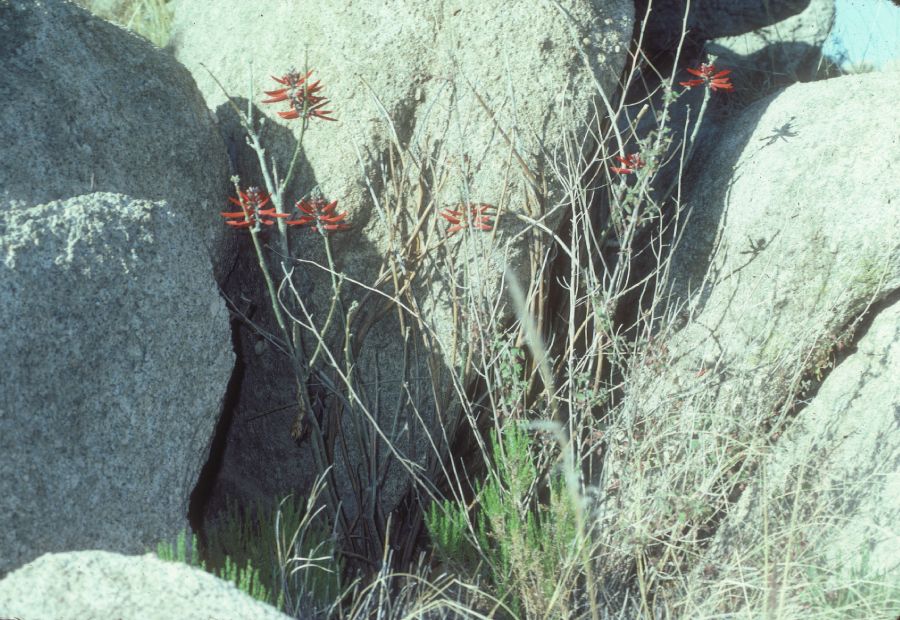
pixel 152 19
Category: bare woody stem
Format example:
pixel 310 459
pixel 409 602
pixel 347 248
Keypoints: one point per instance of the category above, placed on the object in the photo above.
pixel 304 115
pixel 690 144
pixel 267 276
pixel 296 156
pixel 336 283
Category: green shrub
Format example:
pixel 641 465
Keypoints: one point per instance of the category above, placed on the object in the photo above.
pixel 280 555
pixel 245 576
pixel 527 547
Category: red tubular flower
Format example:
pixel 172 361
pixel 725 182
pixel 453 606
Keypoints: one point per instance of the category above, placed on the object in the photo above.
pixel 706 74
pixel 302 97
pixel 252 213
pixel 320 213
pixel 291 81
pixel 630 163
pixel 475 215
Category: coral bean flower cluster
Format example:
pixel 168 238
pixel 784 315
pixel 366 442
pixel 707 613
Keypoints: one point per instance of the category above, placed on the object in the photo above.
pixel 301 95
pixel 630 163
pixel 475 215
pixel 252 213
pixel 320 213
pixel 706 74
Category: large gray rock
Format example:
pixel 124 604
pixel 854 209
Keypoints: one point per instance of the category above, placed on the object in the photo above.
pixel 87 106
pixel 117 352
pixel 765 46
pixel 775 204
pixel 776 55
pixel 825 507
pixel 709 19
pixel 791 235
pixel 98 585
pixel 422 64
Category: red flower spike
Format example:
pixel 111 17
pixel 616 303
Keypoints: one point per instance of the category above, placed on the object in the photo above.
pixel 291 78
pixel 243 224
pixel 251 203
pixel 272 213
pixel 276 95
pixel 302 97
pixel 706 74
pixel 321 214
pixel 630 163
pixel 301 221
pixel 475 215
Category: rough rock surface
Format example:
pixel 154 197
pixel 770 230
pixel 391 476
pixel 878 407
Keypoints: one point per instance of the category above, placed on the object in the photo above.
pixel 775 55
pixel 838 466
pixel 787 243
pixel 779 221
pixel 95 585
pixel 402 76
pixel 764 50
pixel 710 19
pixel 117 352
pixel 87 106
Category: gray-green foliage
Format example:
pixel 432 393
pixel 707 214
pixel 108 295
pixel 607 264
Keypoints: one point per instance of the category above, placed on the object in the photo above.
pixel 511 378
pixel 240 546
pixel 525 545
pixel 249 537
pixel 244 575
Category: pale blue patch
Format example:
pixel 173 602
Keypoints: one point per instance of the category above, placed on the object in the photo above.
pixel 865 31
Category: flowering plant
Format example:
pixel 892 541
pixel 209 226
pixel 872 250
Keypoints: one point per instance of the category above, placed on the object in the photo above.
pixel 474 215
pixel 320 213
pixel 706 74
pixel 251 203
pixel 260 209
pixel 268 208
pixel 304 102
pixel 630 163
